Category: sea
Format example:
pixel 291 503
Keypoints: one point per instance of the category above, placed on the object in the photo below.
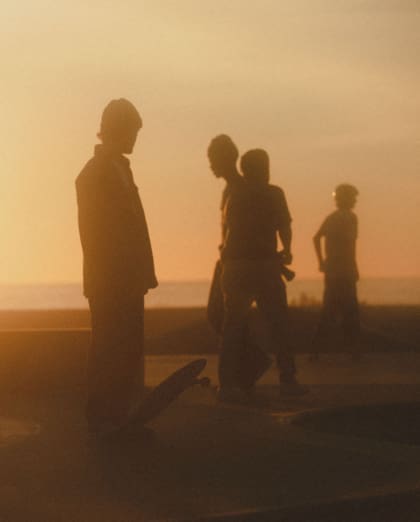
pixel 374 291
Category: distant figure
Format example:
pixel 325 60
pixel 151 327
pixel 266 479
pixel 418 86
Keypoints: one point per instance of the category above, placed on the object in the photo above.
pixel 253 362
pixel 118 268
pixel 339 232
pixel 254 216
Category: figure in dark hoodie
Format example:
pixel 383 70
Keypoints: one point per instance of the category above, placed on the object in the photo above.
pixel 256 217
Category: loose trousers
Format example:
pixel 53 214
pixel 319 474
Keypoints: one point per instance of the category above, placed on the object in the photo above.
pixel 243 282
pixel 116 358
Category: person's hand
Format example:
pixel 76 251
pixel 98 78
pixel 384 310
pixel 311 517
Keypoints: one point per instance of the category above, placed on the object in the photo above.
pixel 286 257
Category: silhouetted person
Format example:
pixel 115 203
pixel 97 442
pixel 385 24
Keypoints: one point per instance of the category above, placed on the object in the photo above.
pixel 118 268
pixel 337 260
pixel 254 217
pixel 223 156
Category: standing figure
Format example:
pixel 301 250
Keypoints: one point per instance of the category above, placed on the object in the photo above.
pixel 339 232
pixel 254 216
pixel 253 362
pixel 118 268
pixel 223 156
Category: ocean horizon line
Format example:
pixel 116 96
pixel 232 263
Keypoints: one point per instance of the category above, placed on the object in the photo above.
pixel 204 280
pixel 176 294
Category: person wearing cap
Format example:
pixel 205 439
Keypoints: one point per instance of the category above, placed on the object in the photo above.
pixel 256 217
pixel 118 268
pixel 335 247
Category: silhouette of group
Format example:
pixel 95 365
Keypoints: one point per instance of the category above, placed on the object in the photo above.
pixel 118 270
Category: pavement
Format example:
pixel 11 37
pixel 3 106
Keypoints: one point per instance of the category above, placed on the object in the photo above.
pixel 307 458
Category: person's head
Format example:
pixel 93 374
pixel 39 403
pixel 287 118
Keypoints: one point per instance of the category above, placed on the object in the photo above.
pixel 345 196
pixel 223 155
pixel 120 124
pixel 255 166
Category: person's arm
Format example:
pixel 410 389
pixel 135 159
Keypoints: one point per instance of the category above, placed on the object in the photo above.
pixel 355 245
pixel 96 222
pixel 318 249
pixel 284 227
pixel 87 218
pixel 285 234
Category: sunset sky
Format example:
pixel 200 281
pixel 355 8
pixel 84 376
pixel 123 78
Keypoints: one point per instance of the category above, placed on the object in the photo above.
pixel 330 88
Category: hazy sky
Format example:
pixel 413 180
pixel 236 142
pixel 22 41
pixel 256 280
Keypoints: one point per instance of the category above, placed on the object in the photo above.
pixel 330 88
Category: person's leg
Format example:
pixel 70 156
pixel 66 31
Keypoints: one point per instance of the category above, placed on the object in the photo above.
pixel 215 301
pixel 131 375
pixel 326 320
pixel 272 303
pixel 254 361
pixel 351 318
pixel 237 302
pixel 98 366
pixel 115 361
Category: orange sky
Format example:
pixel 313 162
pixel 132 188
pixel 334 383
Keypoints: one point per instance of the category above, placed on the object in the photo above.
pixel 330 88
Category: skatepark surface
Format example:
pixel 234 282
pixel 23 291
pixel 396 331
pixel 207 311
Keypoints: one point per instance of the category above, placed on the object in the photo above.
pixel 348 450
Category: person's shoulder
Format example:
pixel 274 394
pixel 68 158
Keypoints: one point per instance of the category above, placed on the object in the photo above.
pixel 346 215
pixel 330 220
pixel 275 189
pixel 238 180
pixel 341 218
pixel 87 171
pixel 237 185
pixel 91 172
pixel 353 216
pixel 276 192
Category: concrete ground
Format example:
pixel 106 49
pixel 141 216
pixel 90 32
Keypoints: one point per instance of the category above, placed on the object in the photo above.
pixel 210 459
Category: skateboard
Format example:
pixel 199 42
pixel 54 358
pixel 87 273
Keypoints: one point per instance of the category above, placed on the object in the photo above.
pixel 166 392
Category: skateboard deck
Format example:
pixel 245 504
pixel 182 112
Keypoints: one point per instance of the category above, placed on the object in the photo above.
pixel 167 391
